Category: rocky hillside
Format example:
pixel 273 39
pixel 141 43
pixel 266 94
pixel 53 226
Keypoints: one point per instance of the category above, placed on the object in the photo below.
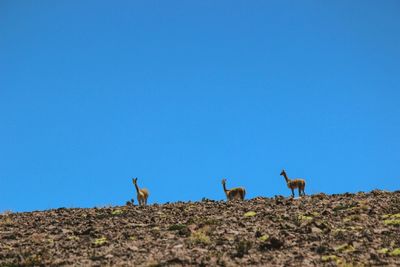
pixel 345 229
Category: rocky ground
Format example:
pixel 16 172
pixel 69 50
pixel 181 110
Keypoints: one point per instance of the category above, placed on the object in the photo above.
pixel 345 229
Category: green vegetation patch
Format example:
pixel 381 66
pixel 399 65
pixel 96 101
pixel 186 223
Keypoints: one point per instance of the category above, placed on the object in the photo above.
pixel 394 222
pixel 304 218
pixel 199 237
pixel 100 241
pixel 395 252
pixel 391 216
pixel 263 238
pixel 328 258
pixel 250 214
pixel 343 207
pixel 345 248
pixel 117 212
pixel 73 237
pixel 383 251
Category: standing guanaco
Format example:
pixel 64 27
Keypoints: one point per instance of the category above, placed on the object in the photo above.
pixel 142 194
pixel 234 193
pixel 293 184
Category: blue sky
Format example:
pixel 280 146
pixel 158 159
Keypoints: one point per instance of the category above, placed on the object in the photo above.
pixel 183 93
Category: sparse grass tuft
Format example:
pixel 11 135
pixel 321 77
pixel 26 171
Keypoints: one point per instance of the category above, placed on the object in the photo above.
pixel 395 252
pixel 343 207
pixel 117 212
pixel 73 237
pixel 383 251
pixel 100 241
pixel 328 258
pixel 199 237
pixel 263 238
pixel 242 248
pixel 392 222
pixel 346 248
pixel 304 218
pixel 6 212
pixel 250 214
pixel 7 221
pixel 391 216
pixel 33 260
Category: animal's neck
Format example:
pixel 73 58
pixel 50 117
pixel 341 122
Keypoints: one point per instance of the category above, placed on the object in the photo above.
pixel 137 188
pixel 286 177
pixel 224 186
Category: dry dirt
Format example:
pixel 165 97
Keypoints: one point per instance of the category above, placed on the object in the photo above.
pixel 332 230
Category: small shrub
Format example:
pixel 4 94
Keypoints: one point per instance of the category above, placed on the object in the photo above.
pixel 383 251
pixel 7 221
pixel 304 218
pixel 100 241
pixel 391 216
pixel 392 222
pixel 343 207
pixel 73 237
pixel 346 248
pixel 250 214
pixel 32 260
pixel 395 252
pixel 199 237
pixel 182 229
pixel 263 238
pixel 242 248
pixel 117 212
pixel 328 258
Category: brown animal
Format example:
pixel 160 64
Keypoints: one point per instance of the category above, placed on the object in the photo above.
pixel 234 193
pixel 293 184
pixel 142 194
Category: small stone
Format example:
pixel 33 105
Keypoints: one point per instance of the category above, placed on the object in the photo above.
pixel 316 230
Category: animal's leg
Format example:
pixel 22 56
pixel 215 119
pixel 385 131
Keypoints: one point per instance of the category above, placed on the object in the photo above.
pixel 299 191
pixel 292 192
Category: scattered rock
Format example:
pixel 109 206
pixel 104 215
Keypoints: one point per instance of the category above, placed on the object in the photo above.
pixel 343 229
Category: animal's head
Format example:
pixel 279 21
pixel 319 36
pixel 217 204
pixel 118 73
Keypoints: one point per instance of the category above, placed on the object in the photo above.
pixel 283 172
pixel 134 180
pixel 224 181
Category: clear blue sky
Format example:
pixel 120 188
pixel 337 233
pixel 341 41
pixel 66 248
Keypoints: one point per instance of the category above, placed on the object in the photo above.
pixel 183 93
